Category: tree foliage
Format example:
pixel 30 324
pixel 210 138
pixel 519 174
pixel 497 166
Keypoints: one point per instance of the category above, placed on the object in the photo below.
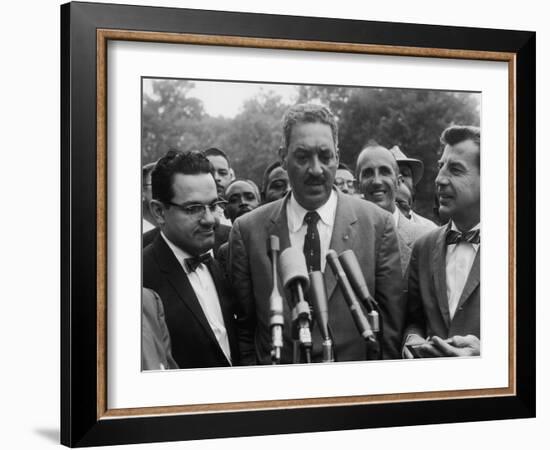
pixel 412 119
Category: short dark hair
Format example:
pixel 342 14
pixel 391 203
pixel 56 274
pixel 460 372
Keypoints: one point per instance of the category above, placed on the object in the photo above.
pixel 458 133
pixel 250 182
pixel 267 171
pixel 174 162
pixel 146 170
pixel 308 113
pixel 215 151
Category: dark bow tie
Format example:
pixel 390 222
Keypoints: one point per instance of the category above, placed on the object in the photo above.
pixel 196 261
pixel 456 237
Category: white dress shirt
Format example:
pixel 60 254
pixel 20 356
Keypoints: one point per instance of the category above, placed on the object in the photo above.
pixel 396 215
pixel 459 260
pixel 205 290
pixel 297 228
pixel 147 226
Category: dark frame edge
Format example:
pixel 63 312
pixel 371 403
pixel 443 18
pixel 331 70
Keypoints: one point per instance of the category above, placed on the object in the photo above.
pixel 78 230
pixel 525 223
pixel 65 49
pixel 79 427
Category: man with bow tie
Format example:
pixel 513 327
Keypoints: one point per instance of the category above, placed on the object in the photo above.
pixel 178 264
pixel 443 298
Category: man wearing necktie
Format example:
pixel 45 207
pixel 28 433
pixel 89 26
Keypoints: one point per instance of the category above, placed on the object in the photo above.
pixel 178 264
pixel 443 297
pixel 314 217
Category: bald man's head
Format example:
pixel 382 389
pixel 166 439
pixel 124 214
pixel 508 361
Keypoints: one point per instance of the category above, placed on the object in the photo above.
pixel 378 176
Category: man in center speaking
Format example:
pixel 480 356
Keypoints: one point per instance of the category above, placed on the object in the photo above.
pixel 309 153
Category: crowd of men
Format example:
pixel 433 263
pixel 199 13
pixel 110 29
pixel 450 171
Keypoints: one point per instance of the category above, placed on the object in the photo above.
pixel 208 275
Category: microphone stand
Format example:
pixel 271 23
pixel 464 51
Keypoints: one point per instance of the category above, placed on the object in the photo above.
pixel 318 299
pixel 361 322
pixel 295 278
pixel 352 269
pixel 276 318
pixel 301 321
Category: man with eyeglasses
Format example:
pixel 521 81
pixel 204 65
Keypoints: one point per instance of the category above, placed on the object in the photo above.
pixel 178 264
pixel 344 179
pixel 150 228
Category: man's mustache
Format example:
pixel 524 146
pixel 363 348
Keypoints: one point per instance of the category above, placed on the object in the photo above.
pixel 314 181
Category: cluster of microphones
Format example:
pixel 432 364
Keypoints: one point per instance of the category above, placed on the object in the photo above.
pixel 308 303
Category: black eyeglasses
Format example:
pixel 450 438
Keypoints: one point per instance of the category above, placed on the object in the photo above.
pixel 340 182
pixel 199 209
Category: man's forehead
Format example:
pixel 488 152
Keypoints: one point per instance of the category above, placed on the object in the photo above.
pixel 405 168
pixel 277 173
pixel 310 131
pixel 345 174
pixel 199 187
pixel 218 161
pixel 239 186
pixel 375 157
pixel 462 151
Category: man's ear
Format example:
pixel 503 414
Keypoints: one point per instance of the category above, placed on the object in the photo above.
pixel 337 156
pixel 157 210
pixel 282 156
pixel 231 174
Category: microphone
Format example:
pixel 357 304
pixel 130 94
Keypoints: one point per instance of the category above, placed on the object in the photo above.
pixel 355 276
pixel 317 296
pixel 294 276
pixel 276 318
pixel 359 318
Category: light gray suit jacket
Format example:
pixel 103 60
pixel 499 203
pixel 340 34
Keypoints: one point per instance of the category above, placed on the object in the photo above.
pixel 359 225
pixel 407 233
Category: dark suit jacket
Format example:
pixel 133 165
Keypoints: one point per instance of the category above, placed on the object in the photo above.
pixel 428 306
pixel 223 259
pixel 221 235
pixel 359 225
pixel 193 341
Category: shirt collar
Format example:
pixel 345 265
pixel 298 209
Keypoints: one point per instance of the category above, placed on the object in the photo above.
pixel 180 254
pixel 297 212
pixel 396 215
pixel 454 228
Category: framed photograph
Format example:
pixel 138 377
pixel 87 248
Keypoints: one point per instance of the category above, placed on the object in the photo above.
pixel 146 89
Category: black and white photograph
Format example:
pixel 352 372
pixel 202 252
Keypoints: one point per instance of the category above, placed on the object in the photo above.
pixel 272 224
pixel 305 223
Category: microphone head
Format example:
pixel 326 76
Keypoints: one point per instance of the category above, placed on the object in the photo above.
pixel 355 274
pixel 317 296
pixel 273 243
pixel 332 260
pixel 292 267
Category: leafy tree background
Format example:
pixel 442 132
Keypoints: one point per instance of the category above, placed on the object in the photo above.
pixel 412 119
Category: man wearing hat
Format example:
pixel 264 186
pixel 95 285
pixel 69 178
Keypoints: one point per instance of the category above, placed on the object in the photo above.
pixel 411 170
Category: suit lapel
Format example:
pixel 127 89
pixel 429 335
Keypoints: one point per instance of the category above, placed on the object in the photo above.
pixel 225 304
pixel 472 282
pixel 178 279
pixel 343 237
pixel 404 228
pixel 439 275
pixel 278 225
